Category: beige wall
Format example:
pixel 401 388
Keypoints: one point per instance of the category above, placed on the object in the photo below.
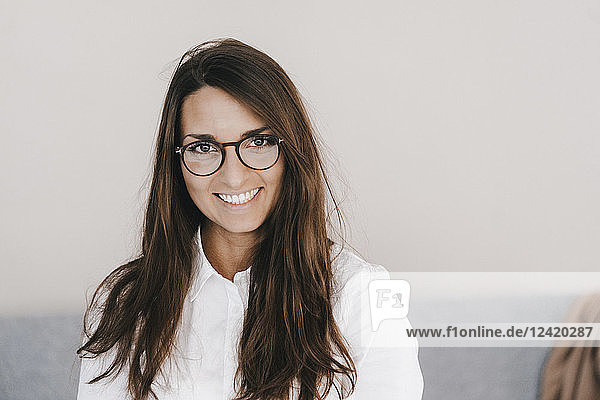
pixel 468 130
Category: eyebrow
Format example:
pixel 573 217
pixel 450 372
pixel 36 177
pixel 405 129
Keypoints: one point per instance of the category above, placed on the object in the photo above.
pixel 212 137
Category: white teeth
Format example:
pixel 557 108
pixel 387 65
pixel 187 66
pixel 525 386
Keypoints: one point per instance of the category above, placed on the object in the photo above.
pixel 239 198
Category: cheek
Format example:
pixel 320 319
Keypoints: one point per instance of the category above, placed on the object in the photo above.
pixel 275 179
pixel 195 187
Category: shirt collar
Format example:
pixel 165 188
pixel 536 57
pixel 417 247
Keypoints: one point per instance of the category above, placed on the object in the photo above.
pixel 204 270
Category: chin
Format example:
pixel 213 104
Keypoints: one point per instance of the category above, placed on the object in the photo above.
pixel 240 226
pixel 238 229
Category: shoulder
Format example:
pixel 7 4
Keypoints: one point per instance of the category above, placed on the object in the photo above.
pixel 354 301
pixel 385 356
pixel 351 277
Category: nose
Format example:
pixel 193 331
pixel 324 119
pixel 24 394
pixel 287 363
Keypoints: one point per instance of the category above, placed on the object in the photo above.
pixel 233 172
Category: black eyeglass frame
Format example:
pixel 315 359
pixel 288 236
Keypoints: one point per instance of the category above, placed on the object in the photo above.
pixel 181 149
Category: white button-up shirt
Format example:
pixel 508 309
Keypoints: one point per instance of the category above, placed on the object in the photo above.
pixel 205 359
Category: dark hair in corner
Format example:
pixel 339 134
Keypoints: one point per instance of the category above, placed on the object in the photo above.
pixel 138 306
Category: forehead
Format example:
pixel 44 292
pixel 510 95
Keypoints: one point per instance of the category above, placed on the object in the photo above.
pixel 213 111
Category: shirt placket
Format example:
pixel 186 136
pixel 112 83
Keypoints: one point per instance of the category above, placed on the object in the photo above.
pixel 232 331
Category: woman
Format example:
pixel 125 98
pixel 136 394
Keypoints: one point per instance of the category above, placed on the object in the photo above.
pixel 238 292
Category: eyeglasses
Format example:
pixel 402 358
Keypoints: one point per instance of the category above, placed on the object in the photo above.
pixel 204 157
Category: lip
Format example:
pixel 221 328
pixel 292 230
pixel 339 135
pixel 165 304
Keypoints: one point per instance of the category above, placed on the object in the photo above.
pixel 239 206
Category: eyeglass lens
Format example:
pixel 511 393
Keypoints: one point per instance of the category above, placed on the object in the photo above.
pixel 258 152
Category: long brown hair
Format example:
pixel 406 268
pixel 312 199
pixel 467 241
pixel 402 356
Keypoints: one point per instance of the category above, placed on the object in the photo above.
pixel 289 330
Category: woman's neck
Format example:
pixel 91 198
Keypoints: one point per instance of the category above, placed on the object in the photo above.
pixel 226 251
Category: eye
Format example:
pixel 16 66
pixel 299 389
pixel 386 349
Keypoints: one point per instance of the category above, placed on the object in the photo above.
pixel 203 147
pixel 262 141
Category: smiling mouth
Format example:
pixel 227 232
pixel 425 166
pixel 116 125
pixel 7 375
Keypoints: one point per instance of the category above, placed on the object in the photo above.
pixel 239 199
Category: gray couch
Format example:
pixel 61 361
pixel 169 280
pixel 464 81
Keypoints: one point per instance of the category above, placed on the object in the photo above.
pixel 38 360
